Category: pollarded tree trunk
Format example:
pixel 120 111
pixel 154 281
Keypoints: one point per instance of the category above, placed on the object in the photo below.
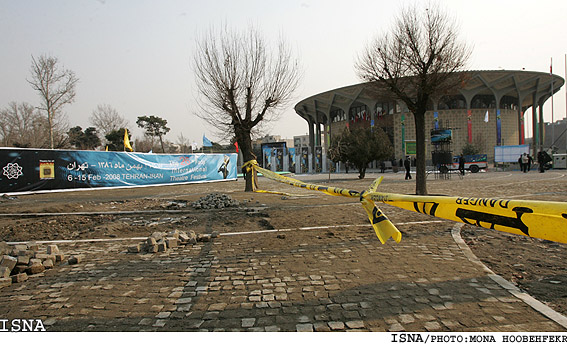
pixel 244 140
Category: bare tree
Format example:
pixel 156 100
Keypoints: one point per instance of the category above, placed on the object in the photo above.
pixel 56 87
pixel 415 62
pixel 243 83
pixel 106 119
pixel 22 125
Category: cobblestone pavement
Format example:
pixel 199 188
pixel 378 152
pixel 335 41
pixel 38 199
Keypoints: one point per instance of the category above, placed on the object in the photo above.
pixel 240 283
pixel 305 279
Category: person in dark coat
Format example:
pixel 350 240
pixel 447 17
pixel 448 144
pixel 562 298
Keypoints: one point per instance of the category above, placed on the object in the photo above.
pixel 541 161
pixel 407 165
pixel 462 164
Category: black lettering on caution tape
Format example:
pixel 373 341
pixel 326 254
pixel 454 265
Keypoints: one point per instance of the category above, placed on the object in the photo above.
pixel 495 219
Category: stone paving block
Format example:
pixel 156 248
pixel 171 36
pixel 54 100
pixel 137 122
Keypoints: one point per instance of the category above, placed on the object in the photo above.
pixel 248 322
pixel 321 327
pixel 8 261
pixel 161 247
pixel 304 327
pixel 355 324
pixel 35 268
pixel 23 260
pixel 75 259
pixel 272 329
pixel 336 325
pixel 48 264
pixel 4 282
pixel 171 242
pixel 4 272
pixel 217 306
pixel 184 307
pixel 20 277
pixel 135 248
pixel 52 249
pixel 163 315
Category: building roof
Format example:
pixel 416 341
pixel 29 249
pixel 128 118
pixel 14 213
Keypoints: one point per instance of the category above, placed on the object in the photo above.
pixel 524 85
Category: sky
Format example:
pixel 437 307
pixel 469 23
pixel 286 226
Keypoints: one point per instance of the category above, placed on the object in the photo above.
pixel 136 55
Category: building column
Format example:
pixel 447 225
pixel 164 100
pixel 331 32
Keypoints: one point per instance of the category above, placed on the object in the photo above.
pixel 535 133
pixel 311 143
pixel 541 126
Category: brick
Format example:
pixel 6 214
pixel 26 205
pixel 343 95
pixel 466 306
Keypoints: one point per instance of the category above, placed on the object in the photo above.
pixel 20 277
pixel 59 257
pixel 5 282
pixel 52 249
pixel 35 268
pixel 8 261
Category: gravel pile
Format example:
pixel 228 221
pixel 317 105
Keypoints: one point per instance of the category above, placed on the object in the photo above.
pixel 214 200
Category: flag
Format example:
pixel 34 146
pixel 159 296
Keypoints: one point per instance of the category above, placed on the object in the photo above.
pixel 486 117
pixel 206 142
pixel 127 141
pixel 236 144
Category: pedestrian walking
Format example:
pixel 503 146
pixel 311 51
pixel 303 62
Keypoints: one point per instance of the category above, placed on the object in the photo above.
pixel 407 165
pixel 525 161
pixel 462 164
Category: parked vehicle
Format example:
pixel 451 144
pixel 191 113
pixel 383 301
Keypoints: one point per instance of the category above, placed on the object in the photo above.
pixel 473 163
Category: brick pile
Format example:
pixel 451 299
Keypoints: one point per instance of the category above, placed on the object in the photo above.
pixel 159 242
pixel 19 261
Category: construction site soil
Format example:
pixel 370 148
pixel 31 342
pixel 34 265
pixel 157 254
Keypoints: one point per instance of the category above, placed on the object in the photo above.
pixel 536 266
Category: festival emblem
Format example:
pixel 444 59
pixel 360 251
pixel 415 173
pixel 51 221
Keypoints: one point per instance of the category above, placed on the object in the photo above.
pixel 12 171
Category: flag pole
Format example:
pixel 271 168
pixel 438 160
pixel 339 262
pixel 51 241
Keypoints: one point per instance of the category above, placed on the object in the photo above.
pixel 552 121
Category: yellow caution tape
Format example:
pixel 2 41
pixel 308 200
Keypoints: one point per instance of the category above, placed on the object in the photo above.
pixel 540 219
pixel 383 227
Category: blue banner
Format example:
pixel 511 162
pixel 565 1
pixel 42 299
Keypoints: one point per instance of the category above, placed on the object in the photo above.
pixel 35 169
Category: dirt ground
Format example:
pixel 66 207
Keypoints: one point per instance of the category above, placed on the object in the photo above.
pixel 536 266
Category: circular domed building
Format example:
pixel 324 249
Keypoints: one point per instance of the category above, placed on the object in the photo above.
pixel 487 111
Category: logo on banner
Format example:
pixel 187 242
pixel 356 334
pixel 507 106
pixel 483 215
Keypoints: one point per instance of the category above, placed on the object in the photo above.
pixel 12 171
pixel 46 170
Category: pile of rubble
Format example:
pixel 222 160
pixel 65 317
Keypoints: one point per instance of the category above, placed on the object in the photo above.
pixel 19 261
pixel 159 242
pixel 215 200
